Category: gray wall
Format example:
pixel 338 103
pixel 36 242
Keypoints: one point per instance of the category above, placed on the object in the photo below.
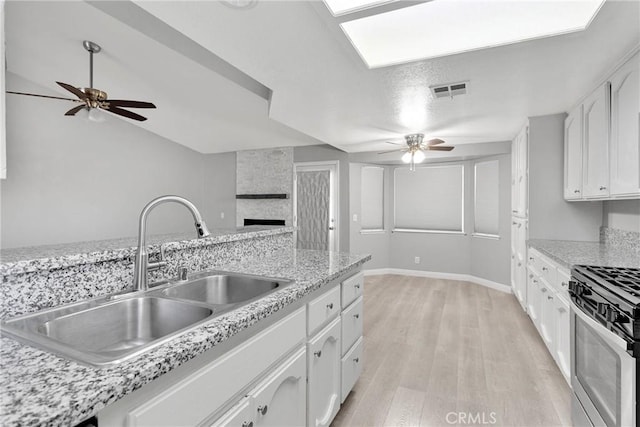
pixel 622 214
pixel 70 180
pixel 447 253
pixel 550 216
pixel 320 153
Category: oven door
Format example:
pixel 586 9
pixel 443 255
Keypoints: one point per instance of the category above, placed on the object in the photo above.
pixel 603 374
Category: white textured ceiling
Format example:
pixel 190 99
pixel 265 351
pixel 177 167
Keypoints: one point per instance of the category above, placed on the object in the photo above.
pixel 321 89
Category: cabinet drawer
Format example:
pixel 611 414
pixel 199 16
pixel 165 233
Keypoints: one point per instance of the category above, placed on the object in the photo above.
pixel 240 415
pixel 352 288
pixel 351 324
pixel 197 396
pixel 322 309
pixel 351 368
pixel 547 270
pixel 562 283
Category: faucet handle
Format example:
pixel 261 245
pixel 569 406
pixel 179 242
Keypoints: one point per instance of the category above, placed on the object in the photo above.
pixel 158 264
pixel 183 273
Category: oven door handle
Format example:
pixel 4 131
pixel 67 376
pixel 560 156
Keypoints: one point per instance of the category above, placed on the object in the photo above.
pixel 610 337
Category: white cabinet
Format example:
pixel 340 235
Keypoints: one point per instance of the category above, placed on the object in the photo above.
pixel 518 261
pixel 351 367
pixel 519 153
pixel 595 164
pixel 240 415
pixel 280 400
pixel 625 134
pixel 573 154
pixel 563 337
pixel 323 388
pixel 548 307
pixel 606 137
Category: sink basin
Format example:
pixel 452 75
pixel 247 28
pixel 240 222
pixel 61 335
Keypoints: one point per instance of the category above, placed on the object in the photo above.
pixel 225 288
pixel 108 332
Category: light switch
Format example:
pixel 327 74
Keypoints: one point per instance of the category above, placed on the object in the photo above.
pixel 355 217
pixel 221 215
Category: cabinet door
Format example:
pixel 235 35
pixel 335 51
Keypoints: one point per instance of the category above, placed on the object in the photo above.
pixel 533 298
pixel 547 316
pixel 514 176
pixel 573 155
pixel 563 337
pixel 523 172
pixel 625 135
pixel 595 173
pixel 280 400
pixel 323 363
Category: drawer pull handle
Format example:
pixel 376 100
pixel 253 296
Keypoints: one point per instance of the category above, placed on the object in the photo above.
pixel 317 353
pixel 247 424
pixel 357 359
pixel 356 316
pixel 549 297
pixel 564 284
pixel 263 409
pixel 562 310
pixel 602 187
pixel 356 286
pixel 544 290
pixel 576 191
pixel 530 258
pixel 545 269
pixel 330 306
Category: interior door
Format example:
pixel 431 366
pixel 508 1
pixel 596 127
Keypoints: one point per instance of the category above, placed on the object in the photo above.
pixel 316 206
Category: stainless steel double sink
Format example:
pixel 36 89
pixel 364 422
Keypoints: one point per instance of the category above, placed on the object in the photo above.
pixel 108 330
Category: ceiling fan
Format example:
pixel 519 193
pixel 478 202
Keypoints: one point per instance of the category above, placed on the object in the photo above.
pixel 414 151
pixel 91 98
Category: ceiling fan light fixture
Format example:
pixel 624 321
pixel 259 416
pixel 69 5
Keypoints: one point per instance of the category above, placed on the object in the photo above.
pixel 406 157
pixel 94 115
pixel 419 156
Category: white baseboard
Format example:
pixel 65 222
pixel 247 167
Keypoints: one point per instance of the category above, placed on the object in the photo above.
pixel 437 275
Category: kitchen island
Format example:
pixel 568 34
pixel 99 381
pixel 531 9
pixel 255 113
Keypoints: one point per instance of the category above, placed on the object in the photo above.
pixel 40 388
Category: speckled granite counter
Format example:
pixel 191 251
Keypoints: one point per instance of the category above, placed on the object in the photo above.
pixel 568 253
pixel 47 257
pixel 39 388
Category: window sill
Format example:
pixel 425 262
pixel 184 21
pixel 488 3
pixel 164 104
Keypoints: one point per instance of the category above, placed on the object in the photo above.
pixel 373 231
pixel 411 230
pixel 486 236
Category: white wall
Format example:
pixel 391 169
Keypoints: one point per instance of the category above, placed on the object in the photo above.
pixel 320 153
pixel 622 214
pixel 70 180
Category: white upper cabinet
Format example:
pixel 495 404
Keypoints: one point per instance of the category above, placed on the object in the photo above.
pixel 573 154
pixel 519 171
pixel 602 139
pixel 595 113
pixel 625 136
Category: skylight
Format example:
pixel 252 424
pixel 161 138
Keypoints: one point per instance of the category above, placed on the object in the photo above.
pixel 446 27
pixel 340 7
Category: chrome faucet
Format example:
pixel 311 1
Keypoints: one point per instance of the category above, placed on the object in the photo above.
pixel 142 264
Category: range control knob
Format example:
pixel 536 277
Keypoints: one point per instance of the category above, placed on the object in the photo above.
pixel 612 315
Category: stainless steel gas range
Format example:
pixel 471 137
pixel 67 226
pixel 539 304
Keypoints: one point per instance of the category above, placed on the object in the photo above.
pixel 605 345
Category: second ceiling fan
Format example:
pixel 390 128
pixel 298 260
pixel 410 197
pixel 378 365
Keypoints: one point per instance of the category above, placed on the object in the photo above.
pixel 414 151
pixel 91 98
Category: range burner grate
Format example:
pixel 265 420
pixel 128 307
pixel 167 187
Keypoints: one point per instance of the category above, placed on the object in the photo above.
pixel 623 281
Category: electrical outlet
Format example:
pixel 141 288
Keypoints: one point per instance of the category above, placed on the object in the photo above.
pixel 355 217
pixel 417 260
pixel 221 215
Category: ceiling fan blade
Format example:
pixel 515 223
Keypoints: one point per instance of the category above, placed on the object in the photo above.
pixel 129 104
pixel 125 113
pixel 74 110
pixel 74 90
pixel 43 96
pixel 440 148
pixel 390 151
pixel 435 141
pixel 394 143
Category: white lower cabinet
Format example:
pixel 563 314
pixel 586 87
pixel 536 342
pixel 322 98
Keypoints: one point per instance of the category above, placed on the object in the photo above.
pixel 323 388
pixel 351 367
pixel 548 307
pixel 280 400
pixel 240 415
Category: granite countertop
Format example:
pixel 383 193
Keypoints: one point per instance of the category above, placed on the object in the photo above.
pixel 570 253
pixel 28 259
pixel 39 388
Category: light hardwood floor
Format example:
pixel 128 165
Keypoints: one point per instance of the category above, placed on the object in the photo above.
pixel 442 353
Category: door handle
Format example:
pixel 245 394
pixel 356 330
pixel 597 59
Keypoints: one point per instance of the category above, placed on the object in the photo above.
pixel 331 228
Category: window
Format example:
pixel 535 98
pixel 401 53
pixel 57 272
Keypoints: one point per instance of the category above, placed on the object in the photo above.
pixel 430 199
pixel 372 198
pixel 486 198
